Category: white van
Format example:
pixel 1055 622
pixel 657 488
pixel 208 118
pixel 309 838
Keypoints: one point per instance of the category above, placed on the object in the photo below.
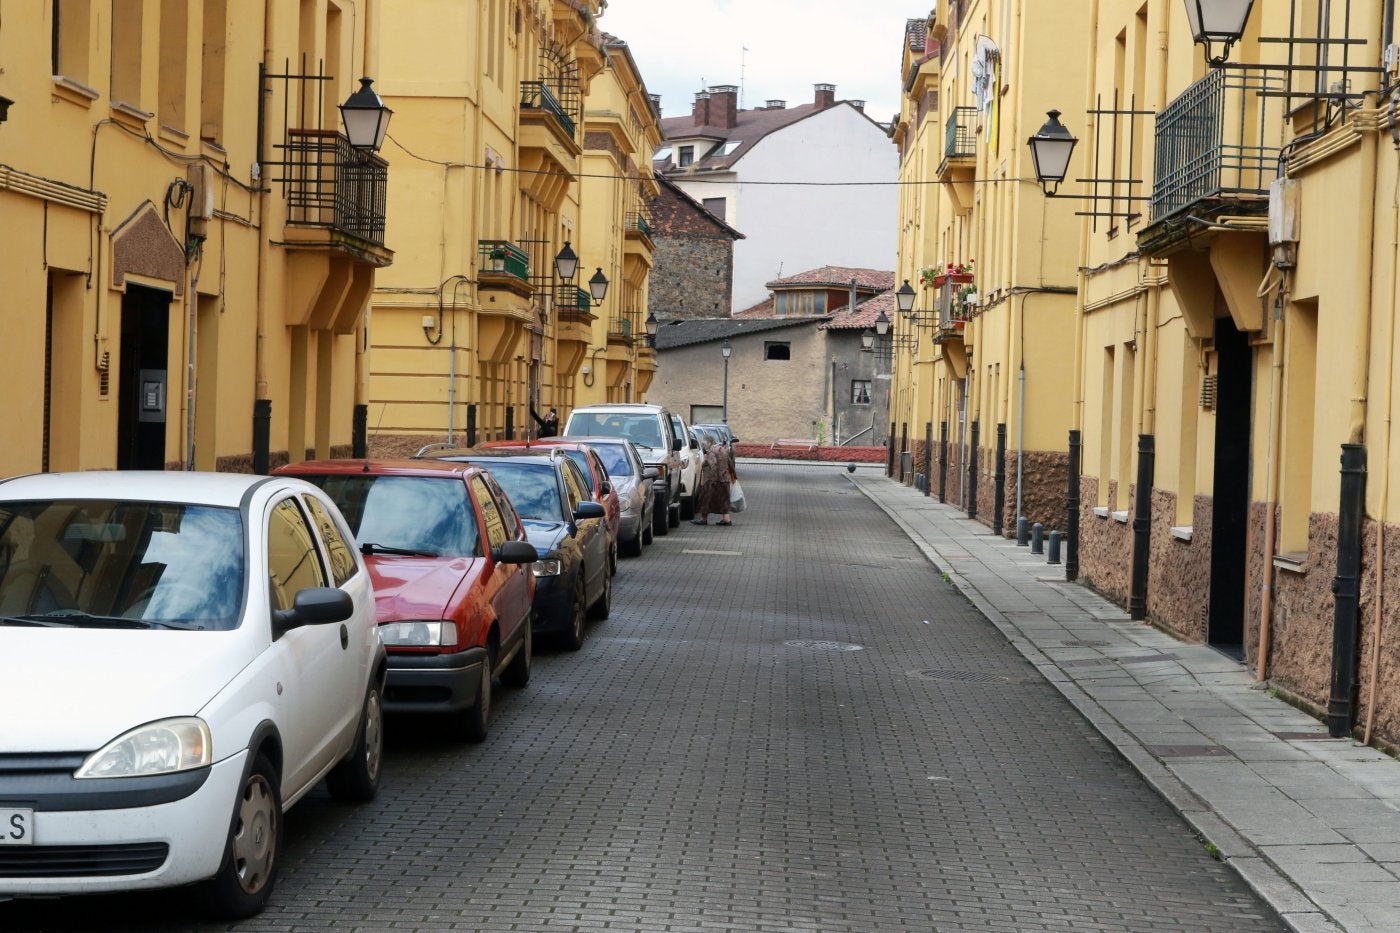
pixel 652 430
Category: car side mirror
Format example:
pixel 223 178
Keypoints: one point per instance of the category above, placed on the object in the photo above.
pixel 515 552
pixel 316 605
pixel 676 444
pixel 651 473
pixel 589 510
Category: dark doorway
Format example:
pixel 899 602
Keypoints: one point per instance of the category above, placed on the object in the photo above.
pixel 142 387
pixel 1230 493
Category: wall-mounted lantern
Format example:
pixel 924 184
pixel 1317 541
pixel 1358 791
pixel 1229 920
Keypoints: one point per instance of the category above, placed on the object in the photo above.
pixel 598 286
pixel 1217 21
pixel 1051 148
pixel 366 117
pixel 904 298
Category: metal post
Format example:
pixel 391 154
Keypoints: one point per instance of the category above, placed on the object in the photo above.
pixel 1037 538
pixel 1053 557
pixel 1142 528
pixel 726 390
pixel 1072 511
pixel 928 458
pixel 999 482
pixel 1346 587
pixel 889 442
pixel 903 446
pixel 262 436
pixel 942 461
pixel 972 471
pixel 359 432
pixel 1023 531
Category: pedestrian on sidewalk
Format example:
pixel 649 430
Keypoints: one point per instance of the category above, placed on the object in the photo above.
pixel 716 473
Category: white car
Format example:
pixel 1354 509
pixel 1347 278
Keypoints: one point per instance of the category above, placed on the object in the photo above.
pixel 692 459
pixel 187 654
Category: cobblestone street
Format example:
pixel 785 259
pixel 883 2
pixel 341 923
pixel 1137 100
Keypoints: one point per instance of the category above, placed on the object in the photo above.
pixel 792 724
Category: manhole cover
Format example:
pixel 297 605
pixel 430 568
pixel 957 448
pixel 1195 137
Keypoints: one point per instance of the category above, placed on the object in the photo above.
pixel 823 645
pixel 965 677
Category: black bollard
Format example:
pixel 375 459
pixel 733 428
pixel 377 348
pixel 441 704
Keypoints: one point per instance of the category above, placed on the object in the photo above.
pixel 1022 532
pixel 1054 556
pixel 1037 541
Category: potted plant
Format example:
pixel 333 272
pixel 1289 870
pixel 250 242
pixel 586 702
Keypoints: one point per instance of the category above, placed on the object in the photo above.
pixel 932 276
pixel 498 259
pixel 960 272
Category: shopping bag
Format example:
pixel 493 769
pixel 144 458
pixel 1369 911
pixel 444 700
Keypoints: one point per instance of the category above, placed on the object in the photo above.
pixel 736 496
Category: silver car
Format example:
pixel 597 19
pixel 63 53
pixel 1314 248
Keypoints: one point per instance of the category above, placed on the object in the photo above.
pixel 631 479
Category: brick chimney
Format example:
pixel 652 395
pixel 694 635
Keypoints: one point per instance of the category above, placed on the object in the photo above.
pixel 724 105
pixel 702 108
pixel 826 95
pixel 858 104
pixel 776 104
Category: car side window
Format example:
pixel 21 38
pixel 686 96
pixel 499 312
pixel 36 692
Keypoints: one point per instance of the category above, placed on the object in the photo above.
pixel 492 515
pixel 342 559
pixel 574 484
pixel 292 562
pixel 507 513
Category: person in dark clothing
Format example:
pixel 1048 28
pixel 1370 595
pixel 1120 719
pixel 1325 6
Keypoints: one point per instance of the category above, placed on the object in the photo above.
pixel 549 424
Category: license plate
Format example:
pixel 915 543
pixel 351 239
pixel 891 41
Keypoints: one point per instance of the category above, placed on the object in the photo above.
pixel 16 827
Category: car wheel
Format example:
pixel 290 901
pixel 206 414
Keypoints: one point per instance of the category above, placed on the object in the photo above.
pixel 573 636
pixel 249 869
pixel 356 778
pixel 661 517
pixel 517 672
pixel 648 533
pixel 603 607
pixel 633 548
pixel 687 507
pixel 475 721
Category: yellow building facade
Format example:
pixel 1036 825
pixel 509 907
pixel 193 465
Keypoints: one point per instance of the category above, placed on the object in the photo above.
pixel 981 363
pixel 185 257
pixel 504 113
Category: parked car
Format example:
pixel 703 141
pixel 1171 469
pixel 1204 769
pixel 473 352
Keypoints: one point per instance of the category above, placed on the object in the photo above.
pixel 451 569
pixel 566 527
pixel 722 431
pixel 600 486
pixel 691 458
pixel 631 481
pixel 651 429
pixel 189 654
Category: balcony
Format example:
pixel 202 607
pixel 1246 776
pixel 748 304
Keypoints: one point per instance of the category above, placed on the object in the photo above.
pixel 638 223
pixel 620 330
pixel 549 149
pixel 1217 150
pixel 959 164
pixel 573 314
pixel 503 259
pixel 536 95
pixel 952 311
pixel 333 186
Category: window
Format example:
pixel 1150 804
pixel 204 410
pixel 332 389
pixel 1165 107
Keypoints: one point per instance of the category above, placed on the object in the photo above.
pixel 71 19
pixel 174 44
pixel 292 564
pixel 729 147
pixel 716 206
pixel 776 350
pixel 490 513
pixel 574 485
pixel 686 156
pixel 662 154
pixel 126 55
pixel 342 559
pixel 860 391
pixel 414 513
pixel 212 64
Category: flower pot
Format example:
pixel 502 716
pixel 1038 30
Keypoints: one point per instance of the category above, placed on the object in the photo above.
pixel 961 278
pixel 938 280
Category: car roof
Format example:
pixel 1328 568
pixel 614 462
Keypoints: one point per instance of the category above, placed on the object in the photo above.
pixel 599 439
pixel 196 487
pixel 625 407
pixel 488 453
pixel 403 467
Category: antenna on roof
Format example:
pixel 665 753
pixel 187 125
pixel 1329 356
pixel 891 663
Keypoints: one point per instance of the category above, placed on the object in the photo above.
pixel 743 57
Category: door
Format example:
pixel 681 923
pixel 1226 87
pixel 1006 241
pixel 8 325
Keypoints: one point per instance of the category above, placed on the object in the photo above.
pixel 1230 492
pixel 508 588
pixel 142 390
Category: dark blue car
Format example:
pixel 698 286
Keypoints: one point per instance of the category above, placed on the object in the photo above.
pixel 550 494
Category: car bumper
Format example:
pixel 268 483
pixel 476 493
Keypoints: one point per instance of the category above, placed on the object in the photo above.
pixel 553 601
pixel 434 683
pixel 127 849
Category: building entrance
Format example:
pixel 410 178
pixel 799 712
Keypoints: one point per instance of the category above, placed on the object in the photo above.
pixel 143 379
pixel 1230 492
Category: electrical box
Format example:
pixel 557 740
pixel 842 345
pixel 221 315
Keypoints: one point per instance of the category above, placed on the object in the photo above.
pixel 150 405
pixel 1283 221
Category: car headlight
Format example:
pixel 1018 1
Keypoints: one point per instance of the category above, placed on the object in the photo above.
pixel 156 748
pixel 550 567
pixel 419 634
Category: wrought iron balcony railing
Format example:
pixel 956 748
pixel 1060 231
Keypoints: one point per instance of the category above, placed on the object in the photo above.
pixel 572 299
pixel 538 95
pixel 1218 141
pixel 331 184
pixel 502 257
pixel 620 327
pixel 639 221
pixel 960 133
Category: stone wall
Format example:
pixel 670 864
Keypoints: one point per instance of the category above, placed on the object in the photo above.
pixel 691 278
pixel 1103 544
pixel 1178 571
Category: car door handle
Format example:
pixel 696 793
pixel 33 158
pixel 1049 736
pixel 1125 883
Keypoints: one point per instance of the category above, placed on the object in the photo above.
pixel 344 637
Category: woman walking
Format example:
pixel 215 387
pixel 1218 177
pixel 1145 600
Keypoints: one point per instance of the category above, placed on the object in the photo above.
pixel 716 473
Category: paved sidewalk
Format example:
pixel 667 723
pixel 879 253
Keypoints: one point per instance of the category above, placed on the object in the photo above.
pixel 1310 822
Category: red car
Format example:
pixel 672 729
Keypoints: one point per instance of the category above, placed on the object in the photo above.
pixel 453 586
pixel 593 470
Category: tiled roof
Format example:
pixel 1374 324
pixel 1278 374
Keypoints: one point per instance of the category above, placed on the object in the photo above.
pixel 750 127
pixel 667 225
pixel 764 309
pixel 865 313
pixel 838 277
pixel 916 32
pixel 684 333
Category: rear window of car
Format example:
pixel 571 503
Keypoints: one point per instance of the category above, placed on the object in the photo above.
pixel 641 429
pixel 109 562
pixel 415 513
pixel 531 487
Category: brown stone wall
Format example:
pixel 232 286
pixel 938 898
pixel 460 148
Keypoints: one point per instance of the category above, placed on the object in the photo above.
pixel 1300 655
pixel 1104 544
pixel 1044 481
pixel 1178 572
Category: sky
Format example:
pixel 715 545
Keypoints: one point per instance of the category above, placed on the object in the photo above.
pixel 683 45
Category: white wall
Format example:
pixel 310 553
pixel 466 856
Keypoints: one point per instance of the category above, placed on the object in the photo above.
pixel 793 228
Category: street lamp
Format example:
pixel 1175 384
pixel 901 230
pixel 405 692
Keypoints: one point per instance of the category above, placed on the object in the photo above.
pixel 726 348
pixel 1220 21
pixel 598 286
pixel 366 117
pixel 882 323
pixel 867 338
pixel 652 325
pixel 1050 150
pixel 566 263
pixel 904 298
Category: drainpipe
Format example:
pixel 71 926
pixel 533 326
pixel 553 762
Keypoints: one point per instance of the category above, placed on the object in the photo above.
pixel 1346 589
pixel 1271 479
pixel 262 405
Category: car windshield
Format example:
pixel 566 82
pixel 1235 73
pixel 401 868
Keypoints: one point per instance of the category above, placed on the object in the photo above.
pixel 614 459
pixel 641 429
pixel 426 514
pixel 532 488
pixel 103 563
pixel 581 459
